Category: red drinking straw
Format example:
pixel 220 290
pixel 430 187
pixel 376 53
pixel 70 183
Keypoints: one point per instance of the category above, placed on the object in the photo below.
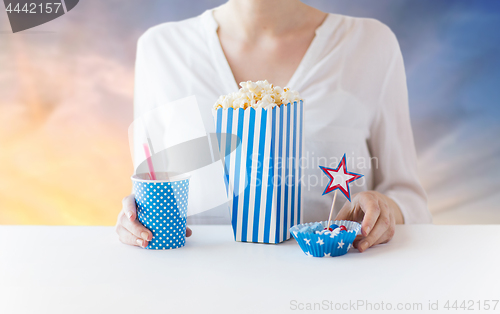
pixel 150 162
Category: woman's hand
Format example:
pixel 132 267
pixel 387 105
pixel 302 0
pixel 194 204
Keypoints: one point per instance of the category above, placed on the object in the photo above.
pixel 378 215
pixel 129 229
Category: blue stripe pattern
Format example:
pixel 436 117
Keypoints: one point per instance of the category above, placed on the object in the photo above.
pixel 219 127
pixel 237 165
pixel 279 152
pixel 294 163
pixel 227 160
pixel 281 180
pixel 299 205
pixel 260 171
pixel 270 180
pixel 246 199
pixel 285 203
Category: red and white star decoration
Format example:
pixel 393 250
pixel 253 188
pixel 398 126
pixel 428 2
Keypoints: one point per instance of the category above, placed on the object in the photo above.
pixel 340 178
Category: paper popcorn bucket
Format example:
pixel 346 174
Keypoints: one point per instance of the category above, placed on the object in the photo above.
pixel 162 208
pixel 321 245
pixel 263 173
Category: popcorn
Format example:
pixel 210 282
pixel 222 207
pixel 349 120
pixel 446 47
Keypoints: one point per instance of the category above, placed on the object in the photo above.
pixel 258 94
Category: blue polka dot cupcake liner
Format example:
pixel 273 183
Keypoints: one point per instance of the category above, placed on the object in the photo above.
pixel 162 208
pixel 326 244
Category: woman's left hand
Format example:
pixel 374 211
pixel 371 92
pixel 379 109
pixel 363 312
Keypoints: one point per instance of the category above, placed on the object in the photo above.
pixel 378 215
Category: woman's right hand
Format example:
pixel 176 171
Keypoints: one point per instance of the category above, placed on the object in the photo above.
pixel 129 229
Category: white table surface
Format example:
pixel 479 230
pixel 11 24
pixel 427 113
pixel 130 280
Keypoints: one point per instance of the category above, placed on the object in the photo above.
pixel 86 270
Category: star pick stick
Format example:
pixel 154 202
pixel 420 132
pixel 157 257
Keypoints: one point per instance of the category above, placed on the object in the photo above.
pixel 339 180
pixel 331 210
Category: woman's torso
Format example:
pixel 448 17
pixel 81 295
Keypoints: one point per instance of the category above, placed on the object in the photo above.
pixel 339 78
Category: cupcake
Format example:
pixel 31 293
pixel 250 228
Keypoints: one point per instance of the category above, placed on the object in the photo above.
pixel 319 240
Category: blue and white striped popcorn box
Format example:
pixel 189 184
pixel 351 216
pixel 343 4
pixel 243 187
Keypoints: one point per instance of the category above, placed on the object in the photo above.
pixel 263 173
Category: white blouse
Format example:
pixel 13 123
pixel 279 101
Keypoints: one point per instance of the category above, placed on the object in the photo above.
pixel 353 83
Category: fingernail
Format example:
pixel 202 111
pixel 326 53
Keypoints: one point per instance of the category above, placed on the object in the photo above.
pixel 367 230
pixel 139 241
pixel 129 214
pixel 363 246
pixel 145 235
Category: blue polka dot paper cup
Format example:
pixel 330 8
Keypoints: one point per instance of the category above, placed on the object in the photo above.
pixel 327 244
pixel 162 208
